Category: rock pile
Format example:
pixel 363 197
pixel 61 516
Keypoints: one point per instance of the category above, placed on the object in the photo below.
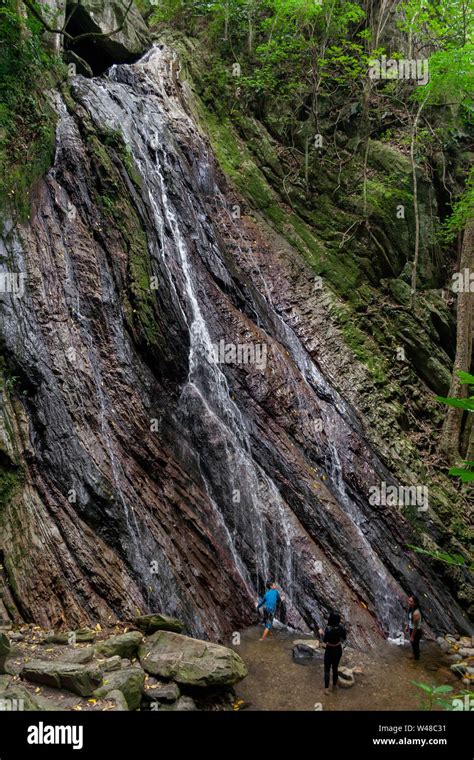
pixel 153 668
pixel 460 651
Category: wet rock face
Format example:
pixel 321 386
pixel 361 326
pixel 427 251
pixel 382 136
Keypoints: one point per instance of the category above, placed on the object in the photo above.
pixel 162 471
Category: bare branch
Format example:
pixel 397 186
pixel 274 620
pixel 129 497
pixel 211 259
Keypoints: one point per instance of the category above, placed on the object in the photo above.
pixel 31 6
pixel 37 15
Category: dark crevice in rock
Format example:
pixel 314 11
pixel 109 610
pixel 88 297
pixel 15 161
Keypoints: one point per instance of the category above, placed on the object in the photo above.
pixel 8 593
pixel 99 53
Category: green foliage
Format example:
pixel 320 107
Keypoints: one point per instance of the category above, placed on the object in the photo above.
pixel 443 31
pixel 287 49
pixel 26 119
pixel 448 21
pixel 166 10
pixel 465 473
pixel 460 403
pixel 462 211
pixel 435 694
pixel 449 559
pixel 451 77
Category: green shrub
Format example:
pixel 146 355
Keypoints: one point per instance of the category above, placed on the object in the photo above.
pixel 27 120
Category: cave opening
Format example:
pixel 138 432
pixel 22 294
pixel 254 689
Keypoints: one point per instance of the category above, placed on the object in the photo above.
pixel 98 52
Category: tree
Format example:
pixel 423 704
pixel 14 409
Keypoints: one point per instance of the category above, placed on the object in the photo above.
pixel 451 434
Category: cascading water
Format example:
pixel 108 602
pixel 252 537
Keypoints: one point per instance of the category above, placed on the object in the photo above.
pixel 256 473
pixel 206 395
pixel 206 409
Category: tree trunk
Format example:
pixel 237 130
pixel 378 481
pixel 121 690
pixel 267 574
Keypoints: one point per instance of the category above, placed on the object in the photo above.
pixel 451 433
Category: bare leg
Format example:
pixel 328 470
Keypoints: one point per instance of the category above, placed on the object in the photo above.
pixel 265 634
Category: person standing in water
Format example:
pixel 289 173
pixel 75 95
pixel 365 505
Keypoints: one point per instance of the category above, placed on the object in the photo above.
pixel 413 625
pixel 269 603
pixel 333 637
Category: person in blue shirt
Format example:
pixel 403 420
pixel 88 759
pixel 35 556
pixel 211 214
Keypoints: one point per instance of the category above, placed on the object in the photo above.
pixel 269 603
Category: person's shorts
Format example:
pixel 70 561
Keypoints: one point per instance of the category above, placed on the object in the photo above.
pixel 268 616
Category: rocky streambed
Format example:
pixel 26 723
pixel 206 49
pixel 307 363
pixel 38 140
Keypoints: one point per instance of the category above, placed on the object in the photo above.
pixel 286 673
pixel 148 666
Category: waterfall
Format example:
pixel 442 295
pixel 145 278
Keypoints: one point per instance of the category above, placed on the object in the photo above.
pixel 205 395
pixel 273 494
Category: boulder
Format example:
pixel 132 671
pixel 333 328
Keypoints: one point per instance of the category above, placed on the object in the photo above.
pixel 70 637
pixel 466 652
pixel 105 16
pixel 156 622
pixel 10 665
pixel 120 702
pixel 443 644
pixel 5 645
pixel 81 679
pixel 307 649
pixel 55 12
pixel 16 698
pixel 79 656
pixel 184 704
pixel 190 661
pixel 130 681
pixel 111 663
pixel 161 692
pixel 460 668
pixel 15 636
pixel 123 645
pixel 346 678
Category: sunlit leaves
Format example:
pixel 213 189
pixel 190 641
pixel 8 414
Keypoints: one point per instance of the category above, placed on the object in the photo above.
pixel 449 559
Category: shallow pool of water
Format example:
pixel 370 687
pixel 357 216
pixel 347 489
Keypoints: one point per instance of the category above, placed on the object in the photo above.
pixel 276 682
